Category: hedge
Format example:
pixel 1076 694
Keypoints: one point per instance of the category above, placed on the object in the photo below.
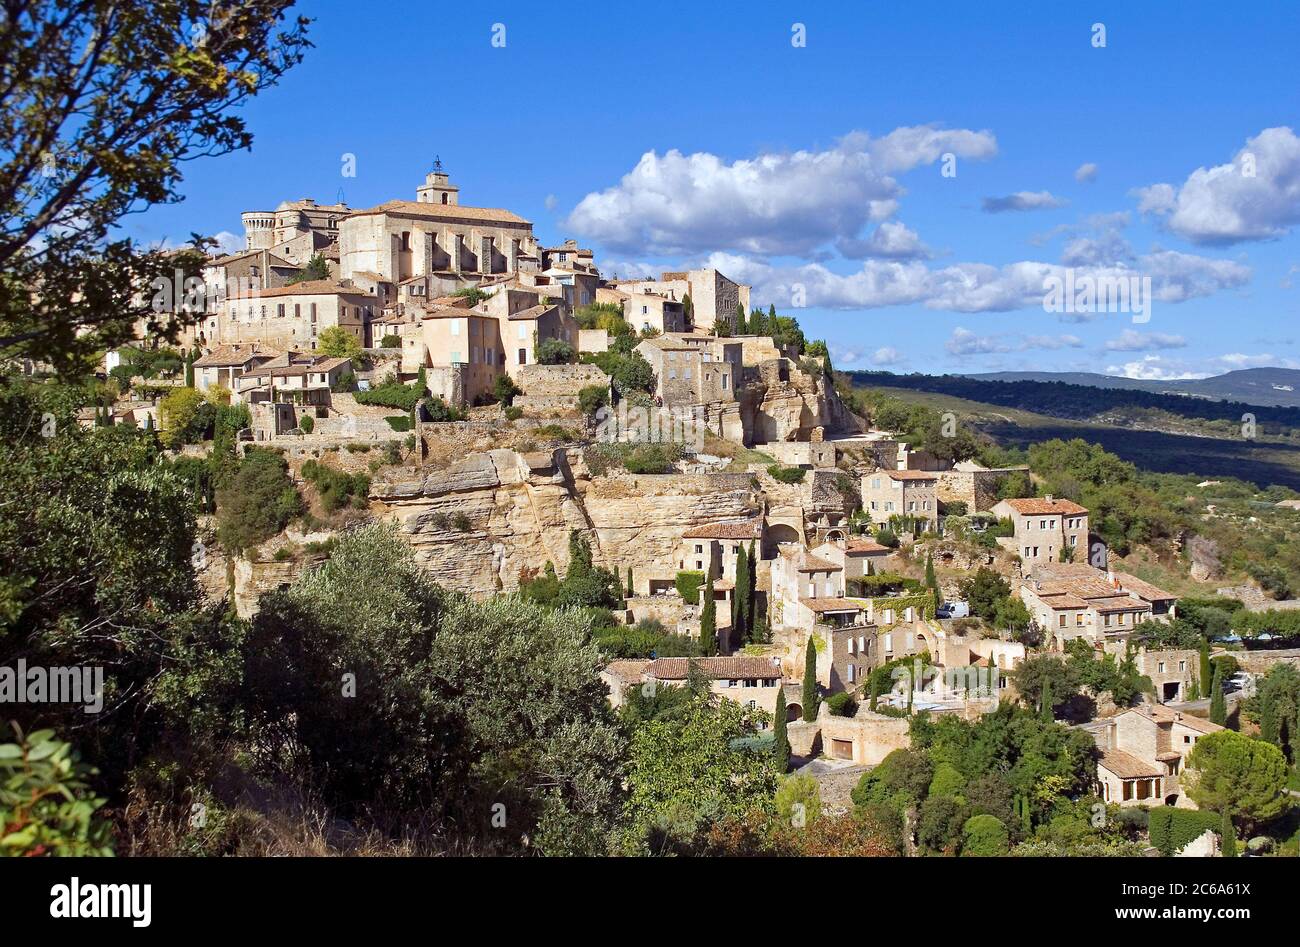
pixel 688 585
pixel 1171 829
pixel 401 397
pixel 399 422
pixel 786 474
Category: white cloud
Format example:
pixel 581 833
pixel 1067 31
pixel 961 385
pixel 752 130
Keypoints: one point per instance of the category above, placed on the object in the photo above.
pixel 1132 341
pixel 1052 342
pixel 887 355
pixel 1235 360
pixel 773 203
pixel 1153 368
pixel 965 342
pixel 1254 197
pixel 1086 174
pixel 551 202
pixel 891 240
pixel 226 243
pixel 1022 200
pixel 627 269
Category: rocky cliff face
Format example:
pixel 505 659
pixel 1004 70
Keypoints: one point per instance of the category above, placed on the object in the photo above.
pixel 781 403
pixel 476 525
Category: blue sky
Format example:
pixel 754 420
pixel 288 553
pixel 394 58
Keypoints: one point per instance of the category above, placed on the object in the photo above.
pixel 666 135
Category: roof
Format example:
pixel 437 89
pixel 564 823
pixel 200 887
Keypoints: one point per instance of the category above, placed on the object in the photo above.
pixel 1062 601
pixel 532 312
pixel 813 563
pixel 725 668
pixel 1146 590
pixel 308 365
pixel 431 311
pixel 821 605
pixel 865 547
pixel 741 529
pixel 317 287
pixel 1127 766
pixel 234 355
pixel 433 211
pixel 1032 506
pixel 627 670
pixel 1162 714
pixel 462 302
pixel 1120 603
pixel 911 475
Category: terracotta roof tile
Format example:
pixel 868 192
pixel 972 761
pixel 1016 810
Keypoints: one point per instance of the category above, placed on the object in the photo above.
pixel 1038 507
pixel 1127 766
pixel 734 667
pixel 743 529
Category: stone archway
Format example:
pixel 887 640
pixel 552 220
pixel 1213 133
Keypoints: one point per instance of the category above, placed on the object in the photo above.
pixel 779 533
pixel 835 536
pixel 793 712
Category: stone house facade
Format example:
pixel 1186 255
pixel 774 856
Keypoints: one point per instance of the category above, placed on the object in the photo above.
pixel 1143 754
pixel 1044 528
pixel 912 493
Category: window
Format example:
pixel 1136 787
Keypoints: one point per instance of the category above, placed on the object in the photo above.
pixel 1160 667
pixel 1062 621
pixel 455 327
pixel 522 331
pixel 724 382
pixel 1182 665
pixel 687 374
pixel 279 310
pixel 1107 621
pixel 851 678
pixel 672 373
pixel 850 647
pixel 1078 620
pixel 889 643
pixel 523 356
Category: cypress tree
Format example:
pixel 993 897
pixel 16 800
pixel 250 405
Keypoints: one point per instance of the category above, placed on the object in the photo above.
pixel 872 705
pixel 630 593
pixel 741 327
pixel 1218 706
pixel 740 599
pixel 1228 837
pixel 752 585
pixel 911 689
pixel 1269 729
pixel 1046 709
pixel 759 631
pixel 810 699
pixel 930 578
pixel 781 746
pixel 1207 673
pixel 1194 689
pixel 709 621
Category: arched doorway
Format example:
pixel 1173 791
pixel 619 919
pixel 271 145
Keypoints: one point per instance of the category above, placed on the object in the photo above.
pixel 835 536
pixel 1171 800
pixel 779 533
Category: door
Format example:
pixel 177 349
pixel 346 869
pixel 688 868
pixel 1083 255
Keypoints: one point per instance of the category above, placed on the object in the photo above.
pixel 842 749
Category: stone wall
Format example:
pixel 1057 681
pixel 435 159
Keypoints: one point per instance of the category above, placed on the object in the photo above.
pixel 555 386
pixel 976 488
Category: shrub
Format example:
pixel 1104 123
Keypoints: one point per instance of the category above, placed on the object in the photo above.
pixel 688 584
pixel 46 805
pixel 336 488
pixel 390 341
pixel 1171 829
pixel 842 704
pixel 513 414
pixel 306 424
pixel 439 410
pixel 505 389
pixel 786 474
pixel 258 501
pixel 886 537
pixel 592 398
pixel 399 422
pixel 985 835
pixel 629 370
pixel 338 342
pixel 554 352
pixel 391 395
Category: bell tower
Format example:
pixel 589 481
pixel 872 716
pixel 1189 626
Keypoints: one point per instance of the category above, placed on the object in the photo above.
pixel 436 189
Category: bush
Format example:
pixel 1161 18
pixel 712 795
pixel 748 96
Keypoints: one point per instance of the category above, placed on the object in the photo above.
pixel 886 537
pixel 336 488
pixel 842 704
pixel 399 422
pixel 258 502
pixel 439 410
pixel 554 352
pixel 688 584
pixel 629 370
pixel 391 395
pixel 786 474
pixel 338 342
pixel 390 341
pixel 592 398
pixel 1171 829
pixel 505 389
pixel 46 805
pixel 985 836
pixel 512 413
pixel 306 424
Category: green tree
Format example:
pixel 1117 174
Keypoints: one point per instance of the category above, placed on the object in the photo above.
pixel 338 342
pixel 630 591
pixel 317 268
pixel 504 389
pixel 1231 772
pixel 1218 704
pixel 931 579
pixel 258 502
pixel 46 804
pixel 811 700
pixel 1227 837
pixel 709 620
pixel 186 416
pixel 591 398
pixel 103 107
pixel 984 591
pixel 985 836
pixel 781 743
pixel 741 601
pixel 1207 673
pixel 798 800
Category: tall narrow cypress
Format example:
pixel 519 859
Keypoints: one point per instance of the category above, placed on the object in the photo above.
pixel 709 621
pixel 739 599
pixel 1218 706
pixel 1207 673
pixel 630 593
pixel 1228 837
pixel 810 698
pixel 781 746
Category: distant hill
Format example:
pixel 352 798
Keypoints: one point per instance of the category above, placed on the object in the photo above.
pixel 1262 386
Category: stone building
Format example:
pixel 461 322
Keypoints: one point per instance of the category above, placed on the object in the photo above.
pixel 712 548
pixel 435 236
pixel 974 484
pixel 302 379
pixel 692 369
pixel 646 311
pixel 1043 529
pixel 1143 754
pixel 226 364
pixel 911 493
pixel 295 229
pixel 749 680
pixel 293 316
pixel 1072 600
pixel 713 297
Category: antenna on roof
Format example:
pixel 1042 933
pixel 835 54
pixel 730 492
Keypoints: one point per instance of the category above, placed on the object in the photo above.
pixel 437 164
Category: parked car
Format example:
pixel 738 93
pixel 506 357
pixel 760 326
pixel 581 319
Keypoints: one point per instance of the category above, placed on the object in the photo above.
pixel 953 610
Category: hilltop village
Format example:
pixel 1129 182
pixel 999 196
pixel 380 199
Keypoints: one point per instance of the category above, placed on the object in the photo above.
pixel 664 454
